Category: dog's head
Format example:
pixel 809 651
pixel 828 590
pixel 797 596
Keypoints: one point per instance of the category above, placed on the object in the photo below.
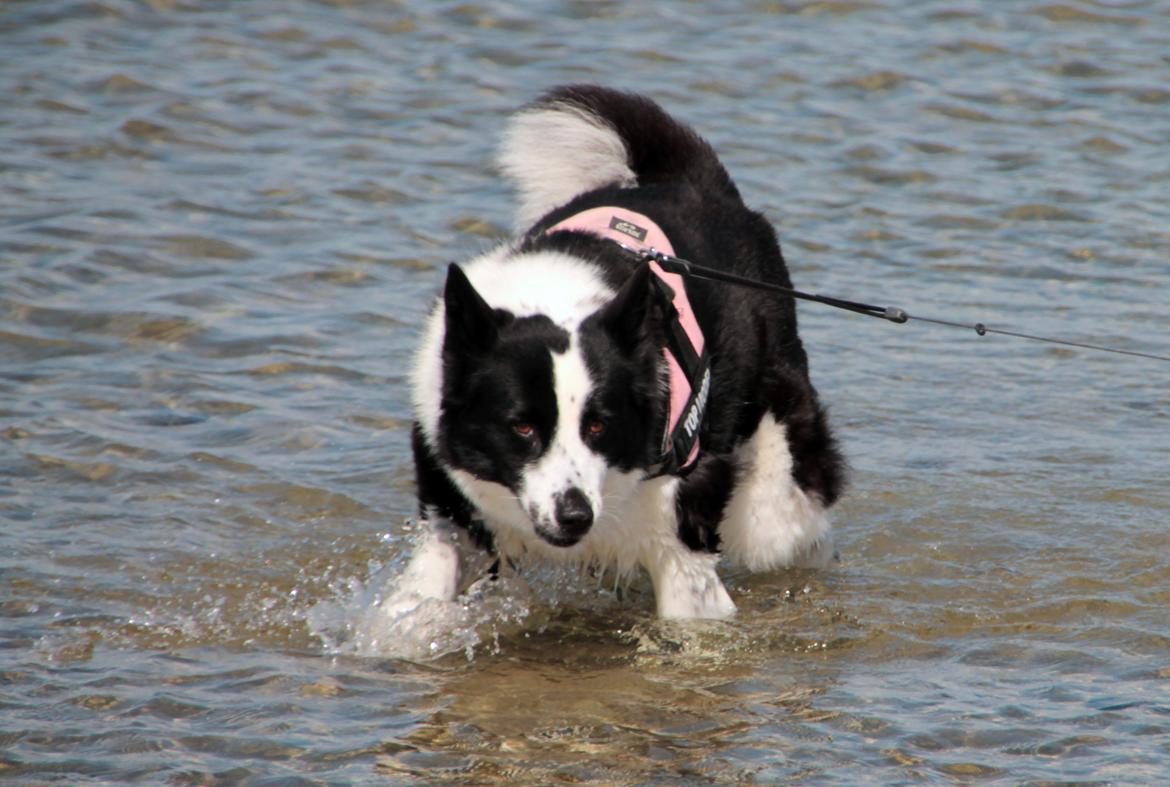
pixel 548 411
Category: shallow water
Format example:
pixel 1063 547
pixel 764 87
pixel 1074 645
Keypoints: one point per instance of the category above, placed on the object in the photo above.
pixel 222 224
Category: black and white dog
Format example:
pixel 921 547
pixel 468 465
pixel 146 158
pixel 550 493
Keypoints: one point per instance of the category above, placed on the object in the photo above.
pixel 575 402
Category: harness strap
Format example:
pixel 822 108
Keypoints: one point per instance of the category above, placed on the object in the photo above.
pixel 686 358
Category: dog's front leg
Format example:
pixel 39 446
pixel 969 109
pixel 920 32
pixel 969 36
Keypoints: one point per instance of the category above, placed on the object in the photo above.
pixel 442 555
pixel 686 584
pixel 433 571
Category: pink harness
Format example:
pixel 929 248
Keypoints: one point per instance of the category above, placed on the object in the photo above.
pixel 688 392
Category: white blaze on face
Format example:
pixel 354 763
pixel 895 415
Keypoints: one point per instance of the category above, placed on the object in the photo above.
pixel 567 463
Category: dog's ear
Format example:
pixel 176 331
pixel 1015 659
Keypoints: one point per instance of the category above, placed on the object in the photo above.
pixel 471 323
pixel 638 311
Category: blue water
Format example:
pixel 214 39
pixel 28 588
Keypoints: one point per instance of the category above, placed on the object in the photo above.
pixel 222 224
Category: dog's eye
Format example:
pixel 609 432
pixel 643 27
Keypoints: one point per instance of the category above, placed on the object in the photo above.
pixel 596 428
pixel 525 430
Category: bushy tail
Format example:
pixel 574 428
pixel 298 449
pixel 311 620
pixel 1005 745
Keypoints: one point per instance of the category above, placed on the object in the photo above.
pixel 578 138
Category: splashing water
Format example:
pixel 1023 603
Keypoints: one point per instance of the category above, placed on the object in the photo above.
pixel 367 617
pixel 359 620
pixel 360 624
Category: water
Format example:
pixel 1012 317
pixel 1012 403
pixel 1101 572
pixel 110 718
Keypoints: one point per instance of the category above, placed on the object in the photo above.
pixel 222 223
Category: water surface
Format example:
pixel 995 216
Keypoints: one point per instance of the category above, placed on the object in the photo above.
pixel 222 224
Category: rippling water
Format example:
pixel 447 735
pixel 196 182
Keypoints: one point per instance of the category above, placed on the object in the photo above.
pixel 222 224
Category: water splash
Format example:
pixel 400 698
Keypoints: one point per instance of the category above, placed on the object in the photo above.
pixel 367 617
pixel 359 622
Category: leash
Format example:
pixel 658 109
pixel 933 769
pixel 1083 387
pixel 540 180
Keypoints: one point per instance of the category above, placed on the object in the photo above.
pixel 889 313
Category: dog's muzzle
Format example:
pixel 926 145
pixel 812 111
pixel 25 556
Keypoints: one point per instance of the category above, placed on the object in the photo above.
pixel 572 518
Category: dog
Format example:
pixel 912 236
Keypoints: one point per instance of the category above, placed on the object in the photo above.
pixel 575 402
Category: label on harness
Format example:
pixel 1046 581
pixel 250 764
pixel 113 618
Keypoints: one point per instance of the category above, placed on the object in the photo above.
pixel 627 228
pixel 694 415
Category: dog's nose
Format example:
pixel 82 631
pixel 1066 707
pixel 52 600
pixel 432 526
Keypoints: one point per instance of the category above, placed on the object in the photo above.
pixel 573 512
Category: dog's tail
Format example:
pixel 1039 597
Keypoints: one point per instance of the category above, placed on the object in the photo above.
pixel 578 138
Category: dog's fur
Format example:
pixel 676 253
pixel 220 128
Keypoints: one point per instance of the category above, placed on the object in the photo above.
pixel 539 384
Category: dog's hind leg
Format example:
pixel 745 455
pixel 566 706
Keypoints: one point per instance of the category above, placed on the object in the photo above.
pixel 770 522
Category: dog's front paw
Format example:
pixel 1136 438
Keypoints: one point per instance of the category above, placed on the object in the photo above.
pixel 409 624
pixel 700 597
pixel 687 586
pixel 433 572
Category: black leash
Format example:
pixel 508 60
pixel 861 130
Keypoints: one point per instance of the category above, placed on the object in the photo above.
pixel 889 313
